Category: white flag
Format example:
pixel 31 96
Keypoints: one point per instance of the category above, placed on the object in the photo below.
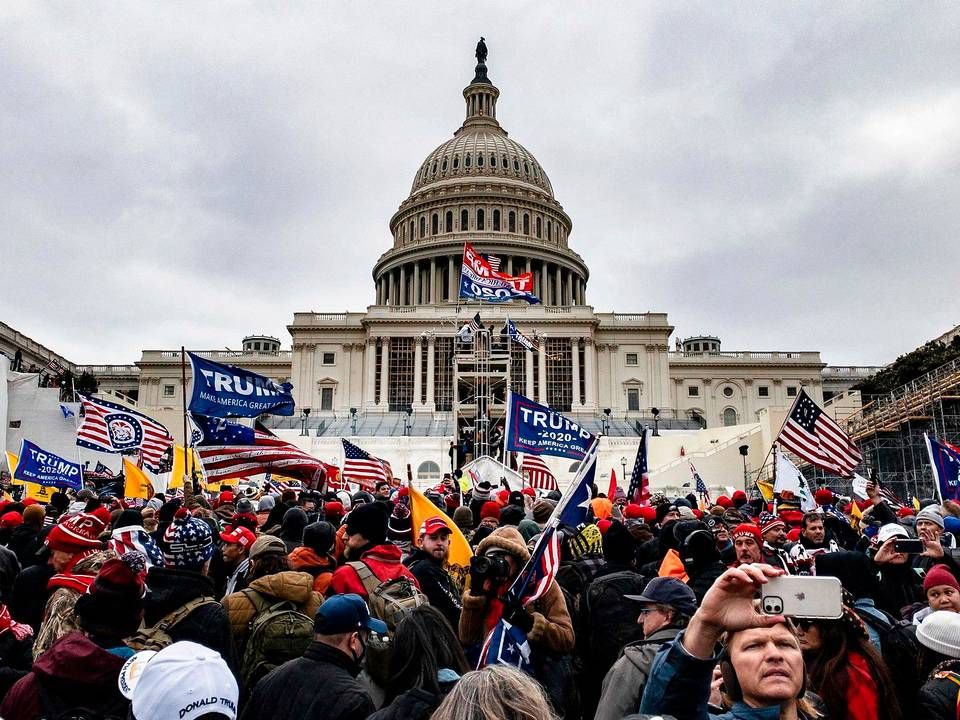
pixel 789 478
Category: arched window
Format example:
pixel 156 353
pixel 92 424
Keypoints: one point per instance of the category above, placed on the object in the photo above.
pixel 729 417
pixel 448 221
pixel 433 168
pixel 496 220
pixel 435 224
pixel 481 220
pixel 464 220
pixel 411 229
pixel 428 470
pixel 443 165
pixel 526 168
pixel 423 226
pixel 516 165
pixel 526 224
pixel 466 160
pixel 479 159
pixel 456 161
pixel 504 162
pixel 403 233
pixel 539 227
pixel 493 161
pixel 511 221
pixel 549 230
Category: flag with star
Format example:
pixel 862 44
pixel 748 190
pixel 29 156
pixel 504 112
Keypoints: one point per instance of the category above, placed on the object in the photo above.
pixel 945 463
pixel 702 489
pixel 639 489
pixel 811 434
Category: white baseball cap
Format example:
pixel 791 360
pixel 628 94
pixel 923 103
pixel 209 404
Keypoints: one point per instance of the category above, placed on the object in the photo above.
pixel 891 530
pixel 184 680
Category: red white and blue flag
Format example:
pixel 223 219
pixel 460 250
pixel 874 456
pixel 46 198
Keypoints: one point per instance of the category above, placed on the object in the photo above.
pixel 109 427
pixel 811 434
pixel 362 468
pixel 945 462
pixel 702 489
pixel 639 490
pixel 538 475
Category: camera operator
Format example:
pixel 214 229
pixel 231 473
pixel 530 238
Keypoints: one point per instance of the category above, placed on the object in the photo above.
pixel 499 559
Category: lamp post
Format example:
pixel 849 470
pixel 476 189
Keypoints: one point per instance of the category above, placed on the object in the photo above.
pixel 408 411
pixel 744 449
pixel 605 421
pixel 353 421
pixel 623 469
pixel 304 414
pixel 656 421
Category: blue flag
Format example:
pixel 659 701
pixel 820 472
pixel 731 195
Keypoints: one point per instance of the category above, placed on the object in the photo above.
pixel 39 466
pixel 518 337
pixel 67 412
pixel 226 390
pixel 575 503
pixel 219 431
pixel 945 461
pixel 537 430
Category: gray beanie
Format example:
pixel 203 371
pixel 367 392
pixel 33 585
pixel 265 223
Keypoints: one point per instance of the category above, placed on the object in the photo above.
pixel 940 632
pixel 931 514
pixel 267 502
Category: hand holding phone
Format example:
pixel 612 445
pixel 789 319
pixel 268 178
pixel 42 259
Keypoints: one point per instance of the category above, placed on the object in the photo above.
pixel 908 546
pixel 803 596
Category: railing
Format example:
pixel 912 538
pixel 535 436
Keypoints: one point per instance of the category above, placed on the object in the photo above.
pixel 805 356
pixel 713 450
pixel 864 371
pixel 219 354
pixel 108 369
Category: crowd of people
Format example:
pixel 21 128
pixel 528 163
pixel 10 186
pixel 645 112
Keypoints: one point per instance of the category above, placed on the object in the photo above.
pixel 255 603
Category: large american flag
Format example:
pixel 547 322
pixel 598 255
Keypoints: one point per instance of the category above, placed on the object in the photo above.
pixel 538 475
pixel 494 262
pixel 109 427
pixel 702 489
pixel 639 490
pixel 363 468
pixel 811 434
pixel 507 644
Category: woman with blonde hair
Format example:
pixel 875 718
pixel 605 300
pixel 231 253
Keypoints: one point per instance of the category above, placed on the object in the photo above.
pixel 497 692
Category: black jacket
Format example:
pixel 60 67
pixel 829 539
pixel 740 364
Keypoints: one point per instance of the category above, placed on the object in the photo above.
pixel 25 541
pixel 415 704
pixel 436 585
pixel 16 659
pixel 29 596
pixel 320 685
pixel 208 625
pixel 938 696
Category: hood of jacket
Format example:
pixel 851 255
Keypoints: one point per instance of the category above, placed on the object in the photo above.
pixel 635 652
pixel 75 658
pixel 303 558
pixel 291 585
pixel 170 588
pixel 506 538
pixel 386 553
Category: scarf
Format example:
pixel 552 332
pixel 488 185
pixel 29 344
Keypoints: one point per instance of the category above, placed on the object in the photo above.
pixel 8 624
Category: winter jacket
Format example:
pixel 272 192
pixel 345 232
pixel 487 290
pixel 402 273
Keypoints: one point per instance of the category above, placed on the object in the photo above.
pixel 321 684
pixel 29 596
pixel 552 626
pixel 861 689
pixel 25 542
pixel 383 561
pixel 415 704
pixel 289 585
pixel 436 584
pixel 702 577
pixel 899 587
pixel 16 658
pixel 59 617
pixel 321 567
pixel 623 685
pixel 679 685
pixel 208 625
pixel 938 696
pixel 74 672
pixel 9 569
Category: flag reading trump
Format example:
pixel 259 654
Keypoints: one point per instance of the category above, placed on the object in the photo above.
pixel 536 429
pixel 226 390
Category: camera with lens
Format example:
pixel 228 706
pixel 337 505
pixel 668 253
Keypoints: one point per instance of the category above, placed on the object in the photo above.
pixel 489 566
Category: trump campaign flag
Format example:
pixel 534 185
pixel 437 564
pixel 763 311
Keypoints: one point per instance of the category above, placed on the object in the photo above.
pixel 536 429
pixel 945 462
pixel 518 337
pixel 479 281
pixel 225 390
pixel 41 467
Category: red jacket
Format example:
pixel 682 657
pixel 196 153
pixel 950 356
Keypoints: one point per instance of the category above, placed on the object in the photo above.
pixel 383 561
pixel 861 689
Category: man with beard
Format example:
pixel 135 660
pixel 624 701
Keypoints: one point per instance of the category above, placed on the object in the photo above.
pixel 367 551
pixel 813 541
pixel 427 565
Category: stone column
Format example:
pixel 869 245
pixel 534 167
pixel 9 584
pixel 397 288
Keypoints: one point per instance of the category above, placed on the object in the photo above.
pixel 560 296
pixel 417 372
pixel 528 368
pixel 542 373
pixel 615 394
pixel 575 349
pixel 341 392
pixel 431 369
pixel 415 300
pixel 385 372
pixel 402 296
pixel 370 386
pixel 748 409
pixel 709 406
pixel 510 265
pixel 544 284
pixel 589 369
pixel 433 281
pixel 452 291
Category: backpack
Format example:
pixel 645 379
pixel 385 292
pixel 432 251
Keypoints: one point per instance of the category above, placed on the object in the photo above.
pixel 899 647
pixel 158 636
pixel 389 601
pixel 277 632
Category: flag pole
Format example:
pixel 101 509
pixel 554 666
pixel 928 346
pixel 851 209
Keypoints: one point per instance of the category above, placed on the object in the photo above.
pixel 772 444
pixel 187 445
pixel 933 467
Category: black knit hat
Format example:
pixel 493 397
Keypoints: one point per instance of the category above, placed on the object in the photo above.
pixel 319 537
pixel 370 521
pixel 511 515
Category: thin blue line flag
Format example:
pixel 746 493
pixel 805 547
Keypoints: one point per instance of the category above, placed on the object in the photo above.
pixel 225 390
pixel 219 431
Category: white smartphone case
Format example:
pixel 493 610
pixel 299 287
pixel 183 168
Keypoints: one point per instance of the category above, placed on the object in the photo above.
pixel 803 596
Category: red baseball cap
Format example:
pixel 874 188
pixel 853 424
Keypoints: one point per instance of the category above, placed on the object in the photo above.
pixel 433 525
pixel 238 535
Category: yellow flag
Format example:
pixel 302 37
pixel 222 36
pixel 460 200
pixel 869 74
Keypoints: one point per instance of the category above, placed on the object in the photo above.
pixel 458 562
pixel 766 490
pixel 855 514
pixel 916 504
pixel 136 483
pixel 12 462
pixel 179 468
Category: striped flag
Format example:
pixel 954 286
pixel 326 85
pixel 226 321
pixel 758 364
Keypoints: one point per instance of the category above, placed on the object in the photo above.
pixel 811 434
pixel 363 468
pixel 639 490
pixel 112 428
pixel 538 475
pixel 494 262
pixel 702 490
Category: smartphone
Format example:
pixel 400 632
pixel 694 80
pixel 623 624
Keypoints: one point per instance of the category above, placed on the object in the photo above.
pixel 803 596
pixel 908 546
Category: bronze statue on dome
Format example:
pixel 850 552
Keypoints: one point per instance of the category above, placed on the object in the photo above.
pixel 481 52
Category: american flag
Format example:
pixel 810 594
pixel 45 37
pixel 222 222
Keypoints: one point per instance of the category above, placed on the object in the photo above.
pixel 112 428
pixel 892 500
pixel 538 475
pixel 702 490
pixel 101 471
pixel 639 490
pixel 230 450
pixel 507 644
pixel 811 434
pixel 362 468
pixel 494 262
pixel 476 323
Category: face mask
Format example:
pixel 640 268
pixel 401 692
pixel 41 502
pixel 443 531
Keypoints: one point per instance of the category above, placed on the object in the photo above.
pixel 358 659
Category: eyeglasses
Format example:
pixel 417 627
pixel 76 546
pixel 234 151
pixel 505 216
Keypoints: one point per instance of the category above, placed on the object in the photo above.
pixel 648 609
pixel 802 624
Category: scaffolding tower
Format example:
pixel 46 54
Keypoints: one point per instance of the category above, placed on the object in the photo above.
pixel 481 377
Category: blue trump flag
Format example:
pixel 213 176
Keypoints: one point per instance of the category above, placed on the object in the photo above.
pixel 39 466
pixel 945 461
pixel 225 390
pixel 219 431
pixel 537 430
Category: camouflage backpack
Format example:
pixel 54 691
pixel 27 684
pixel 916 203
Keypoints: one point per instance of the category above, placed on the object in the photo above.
pixel 278 632
pixel 158 636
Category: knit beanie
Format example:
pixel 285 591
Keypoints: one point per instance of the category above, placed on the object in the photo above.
pixel 511 515
pixel 823 496
pixel 586 542
pixel 399 526
pixel 369 520
pixel 618 544
pixel 483 491
pixel 931 514
pixel 113 604
pixel 769 521
pixel 319 537
pixel 10 520
pixel 490 509
pixel 528 529
pixel 663 509
pixel 747 530
pixel 602 508
pixel 463 517
pixel 940 632
pixel 724 502
pixel 76 533
pixel 739 498
pixel 60 501
pixel 633 511
pixel 939 575
pixel 187 542
pixel 334 511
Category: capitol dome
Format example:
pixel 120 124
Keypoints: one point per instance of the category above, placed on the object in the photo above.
pixel 481 187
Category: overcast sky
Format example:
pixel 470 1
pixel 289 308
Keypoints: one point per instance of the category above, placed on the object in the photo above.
pixel 783 175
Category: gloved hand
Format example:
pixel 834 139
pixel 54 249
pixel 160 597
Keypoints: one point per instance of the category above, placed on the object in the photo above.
pixel 476 583
pixel 516 615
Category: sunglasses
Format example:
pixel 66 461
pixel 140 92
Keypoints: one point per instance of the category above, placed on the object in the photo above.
pixel 802 624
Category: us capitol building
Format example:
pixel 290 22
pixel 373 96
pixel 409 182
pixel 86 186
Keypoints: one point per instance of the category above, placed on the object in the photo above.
pixel 397 371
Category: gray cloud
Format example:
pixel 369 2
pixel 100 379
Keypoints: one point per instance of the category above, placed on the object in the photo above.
pixel 782 175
